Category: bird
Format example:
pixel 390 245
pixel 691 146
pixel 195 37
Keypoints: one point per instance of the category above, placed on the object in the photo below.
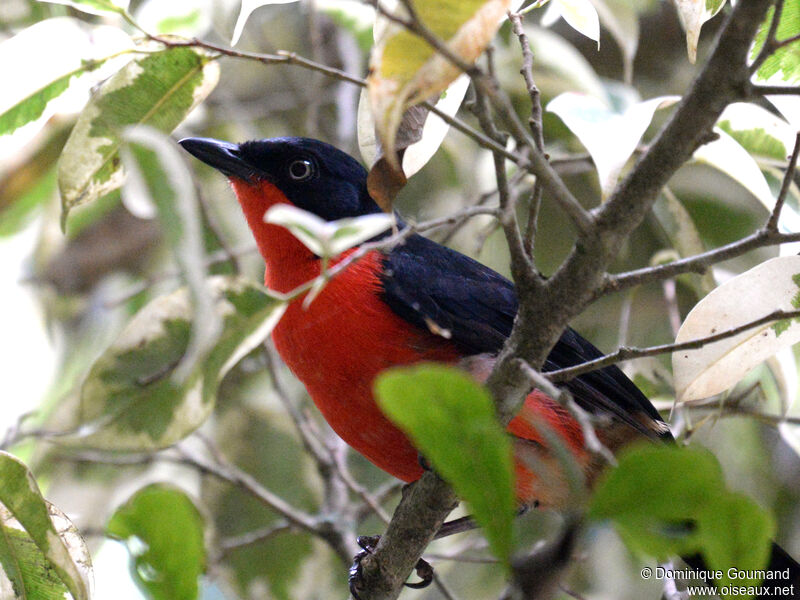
pixel 419 301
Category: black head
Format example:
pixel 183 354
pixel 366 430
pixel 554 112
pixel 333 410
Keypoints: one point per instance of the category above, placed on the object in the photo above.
pixel 312 175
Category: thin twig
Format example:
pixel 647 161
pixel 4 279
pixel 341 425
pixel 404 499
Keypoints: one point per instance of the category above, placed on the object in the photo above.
pixel 520 263
pixel 232 475
pixel 227 545
pixel 308 432
pixel 591 441
pixel 212 225
pixel 772 223
pixel 367 498
pixel 629 353
pixel 535 124
pixel 447 594
pixel 529 243
pixel 526 71
pixel 698 263
pixel 772 90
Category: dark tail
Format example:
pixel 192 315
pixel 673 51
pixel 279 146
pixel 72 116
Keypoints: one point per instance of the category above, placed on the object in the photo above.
pixel 785 570
pixel 782 562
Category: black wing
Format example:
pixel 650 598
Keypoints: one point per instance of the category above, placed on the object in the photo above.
pixel 426 283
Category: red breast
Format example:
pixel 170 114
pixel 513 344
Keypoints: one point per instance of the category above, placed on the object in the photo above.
pixel 339 343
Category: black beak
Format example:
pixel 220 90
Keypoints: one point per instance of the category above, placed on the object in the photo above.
pixel 223 156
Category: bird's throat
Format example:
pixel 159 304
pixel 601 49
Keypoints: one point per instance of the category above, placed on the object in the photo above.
pixel 289 263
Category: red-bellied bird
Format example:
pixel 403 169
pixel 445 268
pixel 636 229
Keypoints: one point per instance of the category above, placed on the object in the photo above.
pixel 392 308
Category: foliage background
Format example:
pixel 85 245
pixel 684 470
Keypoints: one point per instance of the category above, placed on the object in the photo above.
pixel 67 296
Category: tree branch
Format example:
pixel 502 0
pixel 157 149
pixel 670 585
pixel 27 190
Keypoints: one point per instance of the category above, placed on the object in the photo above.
pixel 694 264
pixel 421 512
pixel 544 313
pixel 773 90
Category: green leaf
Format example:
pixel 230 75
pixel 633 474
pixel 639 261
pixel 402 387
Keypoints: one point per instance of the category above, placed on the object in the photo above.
pixel 163 531
pixel 626 492
pixel 26 572
pixel 451 419
pixel 157 175
pixel 18 214
pixel 93 7
pixel 132 398
pixel 20 496
pixel 667 501
pixel 736 532
pixel 757 130
pixel 785 61
pixel 32 107
pixel 159 90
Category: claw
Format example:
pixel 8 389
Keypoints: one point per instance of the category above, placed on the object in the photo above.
pixel 354 575
pixel 367 544
pixel 424 572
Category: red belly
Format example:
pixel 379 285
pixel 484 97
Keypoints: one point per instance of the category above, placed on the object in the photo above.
pixel 339 344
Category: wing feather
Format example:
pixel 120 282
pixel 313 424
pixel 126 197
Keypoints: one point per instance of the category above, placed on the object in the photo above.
pixel 450 294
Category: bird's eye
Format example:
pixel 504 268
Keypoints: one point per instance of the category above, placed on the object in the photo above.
pixel 301 170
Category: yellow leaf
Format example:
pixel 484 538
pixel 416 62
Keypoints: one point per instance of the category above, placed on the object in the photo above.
pixel 405 70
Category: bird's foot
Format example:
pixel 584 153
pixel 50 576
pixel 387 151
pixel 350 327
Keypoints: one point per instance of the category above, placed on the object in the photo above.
pixel 367 543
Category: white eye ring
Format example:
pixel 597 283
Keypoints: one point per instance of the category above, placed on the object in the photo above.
pixel 300 170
